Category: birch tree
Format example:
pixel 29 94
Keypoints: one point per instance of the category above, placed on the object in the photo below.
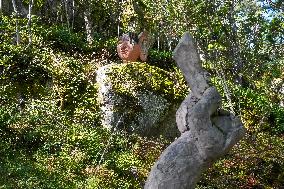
pixel 0 7
pixel 16 14
pixel 88 25
pixel 30 21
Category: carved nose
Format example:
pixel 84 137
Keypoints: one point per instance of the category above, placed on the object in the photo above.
pixel 123 49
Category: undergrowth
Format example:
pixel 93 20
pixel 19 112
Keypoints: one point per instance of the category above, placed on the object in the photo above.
pixel 50 131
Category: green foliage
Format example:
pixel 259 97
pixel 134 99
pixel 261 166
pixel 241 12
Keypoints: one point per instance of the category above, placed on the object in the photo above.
pixel 43 147
pixel 256 162
pixel 24 70
pixel 105 48
pixel 62 38
pixel 70 82
pixel 255 107
pixel 271 80
pixel 277 119
pixel 170 85
pixel 161 59
pixel 53 139
pixel 72 43
pixel 258 111
pixel 5 29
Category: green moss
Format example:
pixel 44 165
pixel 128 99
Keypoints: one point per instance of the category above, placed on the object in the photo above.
pixel 129 78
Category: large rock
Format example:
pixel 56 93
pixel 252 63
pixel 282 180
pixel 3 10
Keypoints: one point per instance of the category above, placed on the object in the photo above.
pixel 139 98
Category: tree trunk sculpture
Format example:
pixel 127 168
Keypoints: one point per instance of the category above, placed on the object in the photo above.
pixel 207 132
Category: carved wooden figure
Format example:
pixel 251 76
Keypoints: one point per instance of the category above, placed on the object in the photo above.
pixel 130 50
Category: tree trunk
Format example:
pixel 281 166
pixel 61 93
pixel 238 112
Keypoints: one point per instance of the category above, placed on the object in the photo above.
pixel 22 11
pixel 31 2
pixel 67 14
pixel 17 24
pixel 238 65
pixel 88 25
pixel 0 7
pixel 207 132
pixel 73 14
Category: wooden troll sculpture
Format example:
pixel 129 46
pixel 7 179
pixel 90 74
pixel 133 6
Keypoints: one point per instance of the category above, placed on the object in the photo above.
pixel 130 48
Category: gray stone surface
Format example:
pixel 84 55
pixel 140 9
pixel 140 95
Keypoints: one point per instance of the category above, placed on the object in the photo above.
pixel 142 112
pixel 207 132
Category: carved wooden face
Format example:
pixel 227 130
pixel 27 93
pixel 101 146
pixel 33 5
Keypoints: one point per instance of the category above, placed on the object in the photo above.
pixel 124 47
pixel 130 49
pixel 127 50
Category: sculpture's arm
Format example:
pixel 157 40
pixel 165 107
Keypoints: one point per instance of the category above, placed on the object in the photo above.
pixel 143 56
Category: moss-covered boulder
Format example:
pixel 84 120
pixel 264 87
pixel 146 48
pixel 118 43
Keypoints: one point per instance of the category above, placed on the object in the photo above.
pixel 140 98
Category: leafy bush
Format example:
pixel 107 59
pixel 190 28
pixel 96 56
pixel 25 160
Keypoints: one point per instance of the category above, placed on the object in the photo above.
pixel 24 70
pixel 256 162
pixel 42 147
pixel 62 38
pixel 257 110
pixel 161 59
pixel 276 119
pixel 56 141
pixel 171 85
